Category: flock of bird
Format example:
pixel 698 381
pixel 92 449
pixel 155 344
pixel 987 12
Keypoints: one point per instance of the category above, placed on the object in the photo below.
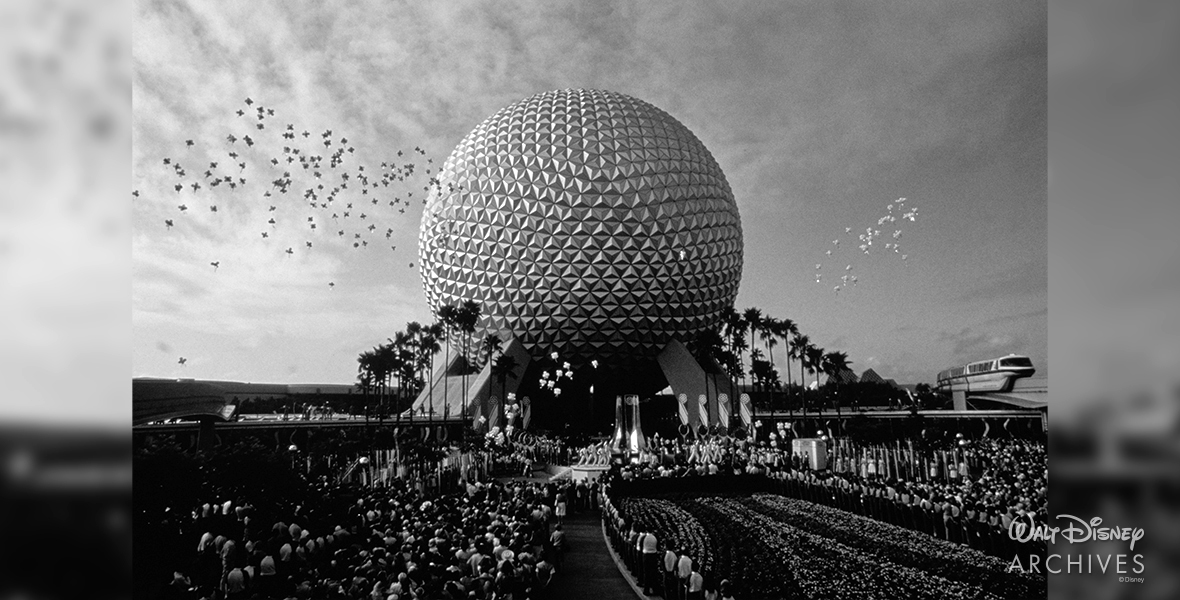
pixel 896 213
pixel 309 182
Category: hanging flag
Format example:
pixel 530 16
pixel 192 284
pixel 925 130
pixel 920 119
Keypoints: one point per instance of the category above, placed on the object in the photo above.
pixel 723 409
pixel 703 409
pixel 493 412
pixel 745 410
pixel 527 414
pixel 682 399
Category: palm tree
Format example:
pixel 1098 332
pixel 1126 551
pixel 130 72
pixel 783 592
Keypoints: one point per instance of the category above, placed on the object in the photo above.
pixel 732 327
pixel 815 359
pixel 403 361
pixel 784 328
pixel 753 318
pixel 491 344
pixel 446 321
pixel 385 366
pixel 769 337
pixel 466 318
pixel 764 372
pixel 737 345
pixel 429 348
pixel 799 345
pixel 364 376
pixel 835 363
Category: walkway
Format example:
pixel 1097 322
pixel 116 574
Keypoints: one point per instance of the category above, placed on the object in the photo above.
pixel 589 571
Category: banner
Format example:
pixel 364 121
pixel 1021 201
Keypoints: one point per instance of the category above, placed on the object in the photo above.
pixel 747 412
pixel 723 409
pixel 703 409
pixel 527 414
pixel 682 399
pixel 493 412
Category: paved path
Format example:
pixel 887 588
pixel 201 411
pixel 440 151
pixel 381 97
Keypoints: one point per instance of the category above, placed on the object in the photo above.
pixel 589 571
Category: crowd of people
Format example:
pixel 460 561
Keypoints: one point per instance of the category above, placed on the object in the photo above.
pixel 657 566
pixel 394 540
pixel 491 540
pixel 519 453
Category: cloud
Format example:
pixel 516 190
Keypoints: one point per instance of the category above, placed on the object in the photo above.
pixel 1025 279
pixel 968 344
pixel 1041 313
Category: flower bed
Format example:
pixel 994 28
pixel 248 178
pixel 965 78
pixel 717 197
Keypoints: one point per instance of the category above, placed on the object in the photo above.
pixel 775 547
pixel 757 568
pixel 901 546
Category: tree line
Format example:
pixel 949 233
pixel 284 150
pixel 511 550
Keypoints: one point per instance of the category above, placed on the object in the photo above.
pixel 743 344
pixel 394 373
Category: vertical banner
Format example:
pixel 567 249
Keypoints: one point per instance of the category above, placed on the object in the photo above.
pixel 723 410
pixel 526 414
pixel 745 410
pixel 682 408
pixel 493 412
pixel 703 409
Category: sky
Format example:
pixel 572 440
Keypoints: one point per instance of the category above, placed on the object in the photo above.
pixel 820 114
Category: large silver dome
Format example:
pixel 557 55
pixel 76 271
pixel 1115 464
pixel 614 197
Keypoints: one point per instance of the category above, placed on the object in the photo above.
pixel 585 222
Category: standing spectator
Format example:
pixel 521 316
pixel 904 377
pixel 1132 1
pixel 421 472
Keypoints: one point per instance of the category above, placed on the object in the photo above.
pixel 236 584
pixel 725 590
pixel 651 562
pixel 181 588
pixel 683 572
pixel 560 509
pixel 711 592
pixel 696 586
pixel 670 560
pixel 557 541
pixel 544 572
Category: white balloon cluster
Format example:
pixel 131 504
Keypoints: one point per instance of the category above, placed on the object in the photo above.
pixel 496 437
pixel 895 212
pixel 552 381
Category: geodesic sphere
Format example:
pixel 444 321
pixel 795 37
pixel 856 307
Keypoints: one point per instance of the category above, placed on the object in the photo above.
pixel 584 222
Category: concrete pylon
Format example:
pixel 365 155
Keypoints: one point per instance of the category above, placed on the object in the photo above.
pixel 959 397
pixel 688 376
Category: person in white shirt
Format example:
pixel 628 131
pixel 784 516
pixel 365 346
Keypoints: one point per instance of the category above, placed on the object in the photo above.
pixel 651 562
pixel 696 586
pixel 670 560
pixel 683 572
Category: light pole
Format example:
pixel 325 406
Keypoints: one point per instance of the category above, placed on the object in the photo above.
pixel 593 381
pixel 294 450
pixel 364 462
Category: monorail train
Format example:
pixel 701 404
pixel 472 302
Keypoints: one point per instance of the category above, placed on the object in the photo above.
pixel 995 375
